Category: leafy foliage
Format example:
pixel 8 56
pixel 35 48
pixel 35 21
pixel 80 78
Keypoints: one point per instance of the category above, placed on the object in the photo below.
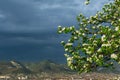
pixel 96 42
pixel 87 2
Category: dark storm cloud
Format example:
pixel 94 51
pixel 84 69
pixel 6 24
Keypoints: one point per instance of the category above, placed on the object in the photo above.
pixel 28 27
pixel 29 46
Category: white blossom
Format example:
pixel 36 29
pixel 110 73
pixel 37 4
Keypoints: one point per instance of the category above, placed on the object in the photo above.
pixel 69 44
pixel 75 37
pixel 95 34
pixel 71 28
pixel 89 59
pixel 94 41
pixel 100 56
pixel 59 31
pixel 98 26
pixel 81 29
pixel 114 56
pixel 117 46
pixel 59 26
pixel 66 55
pixel 106 45
pixel 85 44
pixel 69 40
pixel 116 28
pixel 69 59
pixel 83 34
pixel 109 29
pixel 66 49
pixel 85 48
pixel 86 28
pixel 103 38
pixel 113 36
pixel 77 31
pixel 118 19
pixel 63 29
pixel 99 50
pixel 93 27
pixel 62 41
pixel 89 52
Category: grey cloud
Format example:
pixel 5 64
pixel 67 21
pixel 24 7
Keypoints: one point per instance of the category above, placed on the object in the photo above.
pixel 1 16
pixel 72 5
pixel 28 15
pixel 19 15
pixel 24 16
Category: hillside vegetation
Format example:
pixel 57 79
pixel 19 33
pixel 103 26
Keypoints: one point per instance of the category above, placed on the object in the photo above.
pixel 47 66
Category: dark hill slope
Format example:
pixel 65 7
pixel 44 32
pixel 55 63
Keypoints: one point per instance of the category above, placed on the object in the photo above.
pixel 13 67
pixel 48 66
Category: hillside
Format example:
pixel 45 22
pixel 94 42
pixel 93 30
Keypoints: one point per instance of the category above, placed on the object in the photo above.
pixel 48 66
pixel 50 70
pixel 14 67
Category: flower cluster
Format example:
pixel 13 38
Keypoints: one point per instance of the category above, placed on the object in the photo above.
pixel 96 42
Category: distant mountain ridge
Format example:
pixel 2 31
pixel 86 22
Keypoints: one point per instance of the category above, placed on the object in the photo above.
pixel 20 67
pixel 48 66
pixel 17 64
pixel 13 67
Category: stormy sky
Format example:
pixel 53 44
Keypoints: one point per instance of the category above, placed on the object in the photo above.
pixel 28 28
